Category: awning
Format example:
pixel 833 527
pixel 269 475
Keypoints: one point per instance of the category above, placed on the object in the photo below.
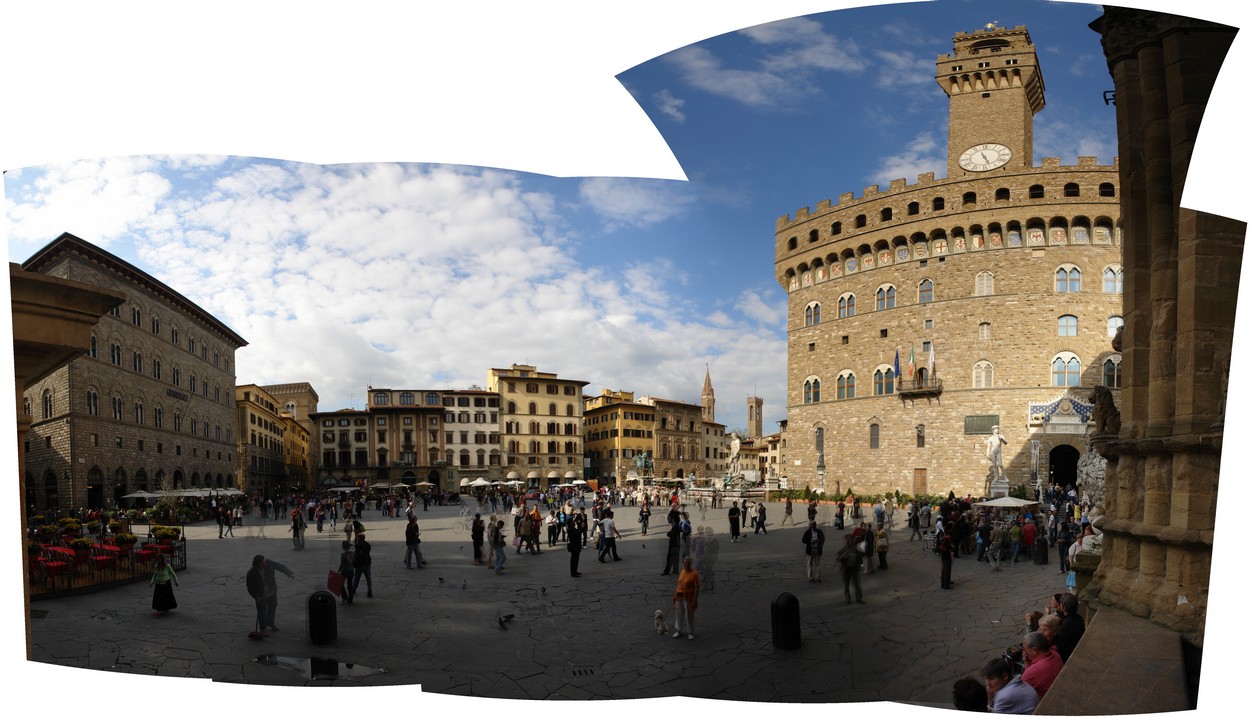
pixel 1009 502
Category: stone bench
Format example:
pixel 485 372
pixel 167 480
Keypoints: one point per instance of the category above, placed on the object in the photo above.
pixel 1123 664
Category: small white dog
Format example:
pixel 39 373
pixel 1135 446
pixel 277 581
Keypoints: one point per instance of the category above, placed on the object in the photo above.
pixel 661 625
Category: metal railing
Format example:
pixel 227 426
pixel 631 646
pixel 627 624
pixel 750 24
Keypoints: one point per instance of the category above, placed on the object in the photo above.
pixel 55 569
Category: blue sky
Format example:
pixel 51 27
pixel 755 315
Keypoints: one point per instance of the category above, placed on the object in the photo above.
pixel 423 276
pixel 134 134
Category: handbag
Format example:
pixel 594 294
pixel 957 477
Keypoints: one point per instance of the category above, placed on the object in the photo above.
pixel 334 582
pixel 516 541
pixel 862 547
pixel 1071 581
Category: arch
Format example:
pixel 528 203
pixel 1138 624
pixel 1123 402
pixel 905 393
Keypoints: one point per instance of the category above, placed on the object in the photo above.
pixel 811 390
pixel 887 214
pixel 813 235
pixel 1062 460
pixel 1106 189
pixel 861 220
pixel 846 384
pixel 985 283
pixel 924 291
pixel 1002 194
pixel 883 380
pixel 1072 189
pixel 1068 279
pixel 1067 325
pixel 846 306
pixel 913 208
pixel 1112 377
pixel 982 375
pixel 811 314
pixel 969 199
pixel 939 204
pixel 1113 279
pixel 887 295
pixel 1037 191
pixel 1065 370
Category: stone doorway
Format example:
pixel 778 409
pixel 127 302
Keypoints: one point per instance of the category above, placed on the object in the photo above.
pixel 919 482
pixel 1063 460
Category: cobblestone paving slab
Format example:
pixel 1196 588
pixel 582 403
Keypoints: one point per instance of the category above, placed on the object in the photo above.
pixel 901 645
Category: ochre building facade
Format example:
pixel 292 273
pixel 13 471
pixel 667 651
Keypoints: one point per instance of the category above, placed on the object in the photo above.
pixel 924 315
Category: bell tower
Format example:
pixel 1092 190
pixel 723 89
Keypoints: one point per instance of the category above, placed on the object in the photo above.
pixel 995 87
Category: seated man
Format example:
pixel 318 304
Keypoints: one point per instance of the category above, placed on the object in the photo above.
pixel 1042 663
pixel 1071 626
pixel 1007 692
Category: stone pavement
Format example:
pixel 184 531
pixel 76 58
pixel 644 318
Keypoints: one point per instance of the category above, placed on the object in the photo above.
pixel 572 638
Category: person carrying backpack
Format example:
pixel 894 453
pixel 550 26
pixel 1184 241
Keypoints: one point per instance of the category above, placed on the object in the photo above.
pixel 850 560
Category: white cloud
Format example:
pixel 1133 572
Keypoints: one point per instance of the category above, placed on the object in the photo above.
pixel 799 48
pixel 771 315
pixel 407 275
pixel 100 199
pixel 635 203
pixel 922 154
pixel 670 106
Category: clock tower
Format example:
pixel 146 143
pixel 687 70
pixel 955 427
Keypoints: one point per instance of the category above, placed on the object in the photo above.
pixel 995 87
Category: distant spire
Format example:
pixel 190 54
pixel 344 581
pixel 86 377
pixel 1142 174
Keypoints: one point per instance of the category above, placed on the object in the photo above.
pixel 709 397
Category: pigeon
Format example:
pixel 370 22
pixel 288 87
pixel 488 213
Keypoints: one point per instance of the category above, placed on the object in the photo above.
pixel 501 624
pixel 465 584
pixel 507 617
pixel 544 589
pixel 440 579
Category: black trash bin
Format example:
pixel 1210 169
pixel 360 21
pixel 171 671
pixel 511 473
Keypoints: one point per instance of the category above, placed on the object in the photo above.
pixel 786 622
pixel 323 625
pixel 1040 557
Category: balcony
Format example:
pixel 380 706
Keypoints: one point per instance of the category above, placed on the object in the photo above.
pixel 926 387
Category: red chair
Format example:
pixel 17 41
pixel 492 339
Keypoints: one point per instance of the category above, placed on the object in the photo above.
pixel 102 559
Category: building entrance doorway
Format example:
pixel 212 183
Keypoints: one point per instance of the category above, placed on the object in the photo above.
pixel 919 482
pixel 1063 460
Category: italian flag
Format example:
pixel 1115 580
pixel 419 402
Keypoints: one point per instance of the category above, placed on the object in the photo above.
pixel 911 363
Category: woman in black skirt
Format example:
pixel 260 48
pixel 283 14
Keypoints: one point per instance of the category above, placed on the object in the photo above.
pixel 163 593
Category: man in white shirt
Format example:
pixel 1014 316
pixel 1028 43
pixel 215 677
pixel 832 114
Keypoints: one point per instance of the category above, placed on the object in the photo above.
pixel 609 536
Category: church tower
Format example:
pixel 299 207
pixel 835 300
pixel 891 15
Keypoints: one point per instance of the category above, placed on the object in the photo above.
pixel 755 416
pixel 709 398
pixel 995 87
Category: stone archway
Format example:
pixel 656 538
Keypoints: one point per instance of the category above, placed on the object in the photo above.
pixel 1063 460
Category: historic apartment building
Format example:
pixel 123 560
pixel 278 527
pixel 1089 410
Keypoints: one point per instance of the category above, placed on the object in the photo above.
pixel 262 443
pixel 151 403
pixel 619 430
pixel 471 435
pixel 924 315
pixel 541 417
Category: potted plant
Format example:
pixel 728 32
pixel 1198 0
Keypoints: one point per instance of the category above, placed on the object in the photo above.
pixel 46 532
pixel 82 548
pixel 115 526
pixel 165 534
pixel 93 527
pixel 69 526
pixel 125 540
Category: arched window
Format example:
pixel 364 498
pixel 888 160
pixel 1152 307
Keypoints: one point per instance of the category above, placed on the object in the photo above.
pixel 1111 372
pixel 883 382
pixel 1067 325
pixel 93 403
pixel 1106 189
pixel 811 391
pixel 533 408
pixel 1072 189
pixel 1037 192
pixel 846 306
pixel 886 295
pixel 512 407
pixel 887 214
pixel 983 330
pixel 970 198
pixel 913 208
pixel 811 315
pixel 1114 322
pixel 874 436
pixel 1068 280
pixel 47 404
pixel 1113 280
pixel 551 409
pixel 926 291
pixel 1002 194
pixel 1065 370
pixel 939 204
pixel 861 220
pixel 835 228
pixel 813 235
pixel 920 436
pixel 793 243
pixel 985 284
pixel 982 375
pixel 846 385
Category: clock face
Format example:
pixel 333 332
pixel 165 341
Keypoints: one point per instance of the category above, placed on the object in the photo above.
pixel 984 157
